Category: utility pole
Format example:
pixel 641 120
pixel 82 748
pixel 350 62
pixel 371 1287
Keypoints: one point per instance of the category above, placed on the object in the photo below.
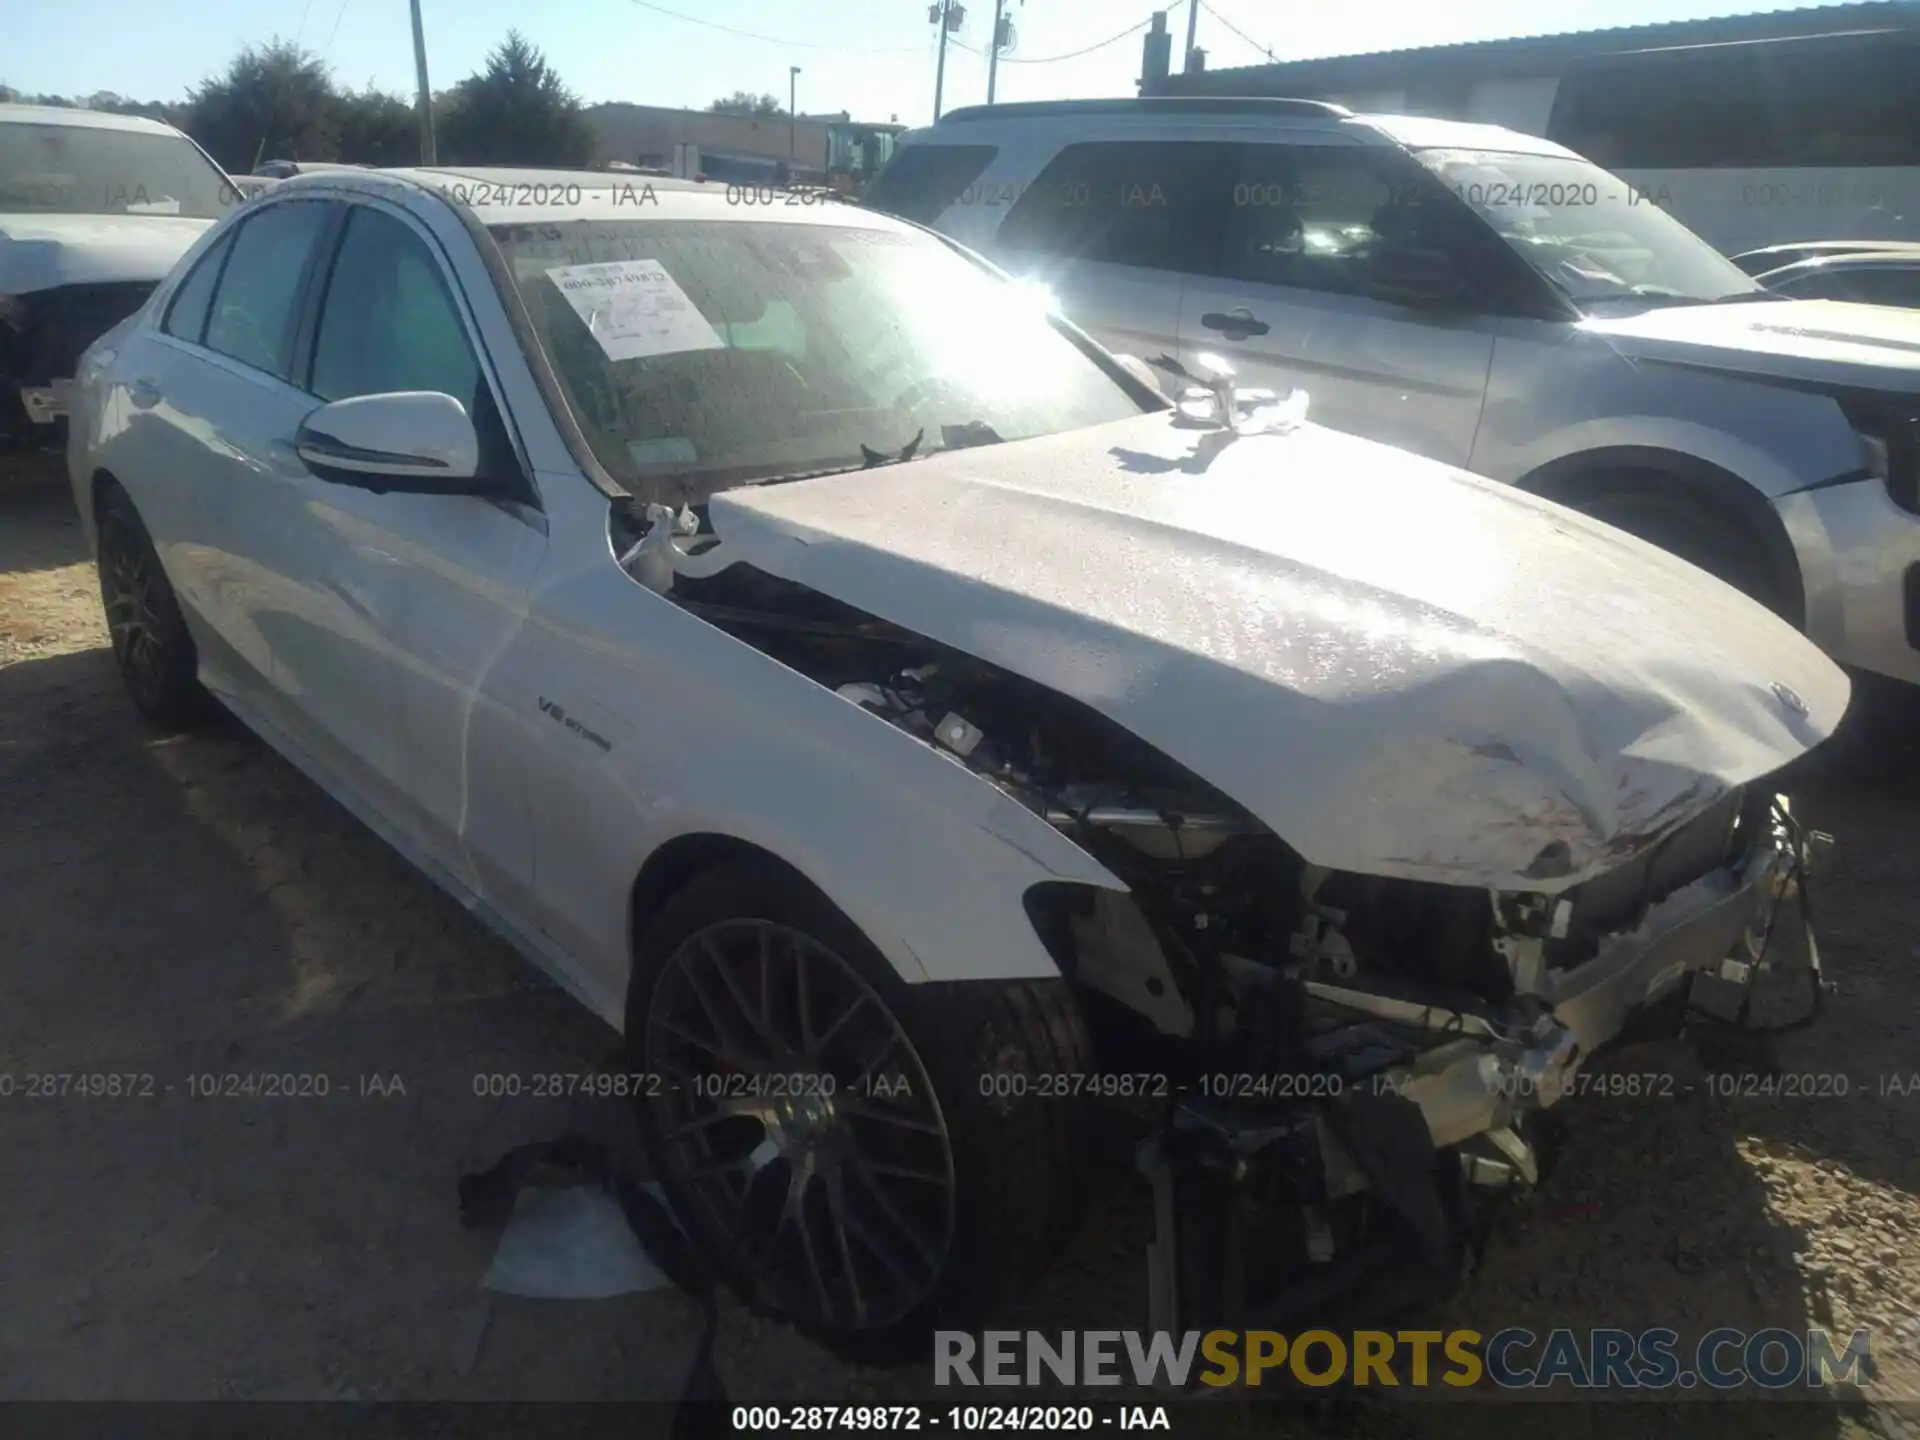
pixel 993 53
pixel 1193 20
pixel 428 156
pixel 793 112
pixel 947 14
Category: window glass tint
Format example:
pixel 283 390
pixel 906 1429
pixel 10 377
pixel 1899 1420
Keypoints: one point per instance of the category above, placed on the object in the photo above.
pixel 1585 231
pixel 1312 216
pixel 256 309
pixel 922 181
pixel 388 322
pixel 1303 216
pixel 1155 204
pixel 187 315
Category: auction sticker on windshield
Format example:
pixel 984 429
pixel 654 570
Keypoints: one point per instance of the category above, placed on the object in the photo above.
pixel 635 308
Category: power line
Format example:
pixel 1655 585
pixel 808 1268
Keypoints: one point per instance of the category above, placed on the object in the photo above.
pixel 337 16
pixel 773 39
pixel 1266 50
pixel 301 28
pixel 1070 55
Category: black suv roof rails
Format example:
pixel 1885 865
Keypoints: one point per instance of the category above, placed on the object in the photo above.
pixel 1150 105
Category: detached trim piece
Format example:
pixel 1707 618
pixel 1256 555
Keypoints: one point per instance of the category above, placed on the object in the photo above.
pixel 1832 482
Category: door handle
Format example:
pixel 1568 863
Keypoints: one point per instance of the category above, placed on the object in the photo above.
pixel 1235 324
pixel 143 393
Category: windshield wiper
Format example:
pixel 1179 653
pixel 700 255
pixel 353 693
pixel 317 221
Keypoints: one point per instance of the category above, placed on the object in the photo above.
pixel 869 457
pixel 969 435
pixel 952 437
pixel 1667 299
pixel 875 457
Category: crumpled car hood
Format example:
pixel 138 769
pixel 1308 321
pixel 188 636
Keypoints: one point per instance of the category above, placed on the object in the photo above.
pixel 1401 668
pixel 38 252
pixel 1875 347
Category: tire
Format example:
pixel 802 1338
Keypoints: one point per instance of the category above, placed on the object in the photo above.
pixel 1012 1165
pixel 151 644
pixel 1701 534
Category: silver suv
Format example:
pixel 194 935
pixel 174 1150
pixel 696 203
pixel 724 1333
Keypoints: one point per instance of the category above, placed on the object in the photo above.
pixel 1482 297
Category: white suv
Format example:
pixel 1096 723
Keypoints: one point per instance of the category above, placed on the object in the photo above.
pixel 1482 297
pixel 95 209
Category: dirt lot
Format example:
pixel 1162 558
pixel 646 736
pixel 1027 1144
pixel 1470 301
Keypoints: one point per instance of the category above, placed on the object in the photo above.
pixel 182 907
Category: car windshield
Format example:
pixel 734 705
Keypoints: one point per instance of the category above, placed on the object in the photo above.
pixel 702 354
pixel 87 170
pixel 1599 242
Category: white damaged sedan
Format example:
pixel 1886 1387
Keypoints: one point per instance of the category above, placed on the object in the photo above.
pixel 921 737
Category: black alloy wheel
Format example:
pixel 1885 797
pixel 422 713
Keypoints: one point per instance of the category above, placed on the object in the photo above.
pixel 796 1113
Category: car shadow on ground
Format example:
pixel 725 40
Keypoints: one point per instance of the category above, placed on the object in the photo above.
pixel 248 1055
pixel 39 528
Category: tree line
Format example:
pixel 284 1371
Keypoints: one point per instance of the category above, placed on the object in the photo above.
pixel 281 102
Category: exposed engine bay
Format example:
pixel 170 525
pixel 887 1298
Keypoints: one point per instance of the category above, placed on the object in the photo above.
pixel 1330 1034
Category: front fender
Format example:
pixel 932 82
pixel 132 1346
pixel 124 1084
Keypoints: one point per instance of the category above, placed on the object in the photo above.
pixel 928 859
pixel 706 735
pixel 1586 445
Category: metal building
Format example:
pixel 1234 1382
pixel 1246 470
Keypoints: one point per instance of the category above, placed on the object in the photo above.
pixel 1502 82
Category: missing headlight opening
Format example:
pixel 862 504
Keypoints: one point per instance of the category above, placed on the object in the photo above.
pixel 42 336
pixel 1357 1061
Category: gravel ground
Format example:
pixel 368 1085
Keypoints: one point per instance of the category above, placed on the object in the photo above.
pixel 187 906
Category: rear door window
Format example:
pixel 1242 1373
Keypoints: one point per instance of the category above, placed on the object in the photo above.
pixel 922 182
pixel 1156 204
pixel 256 308
pixel 187 314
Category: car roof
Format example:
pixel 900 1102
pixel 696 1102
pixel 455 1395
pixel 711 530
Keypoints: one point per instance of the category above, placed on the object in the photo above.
pixel 506 196
pixel 1421 132
pixel 1907 258
pixel 1831 247
pixel 11 114
pixel 1155 106
pixel 1414 132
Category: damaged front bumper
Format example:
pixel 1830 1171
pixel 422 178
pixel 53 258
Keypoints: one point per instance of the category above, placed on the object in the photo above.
pixel 47 404
pixel 42 336
pixel 1495 1069
pixel 1461 1089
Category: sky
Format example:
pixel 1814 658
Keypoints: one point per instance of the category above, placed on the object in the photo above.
pixel 874 58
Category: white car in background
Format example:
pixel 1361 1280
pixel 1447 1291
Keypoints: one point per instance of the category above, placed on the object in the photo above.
pixel 1485 298
pixel 862 689
pixel 95 209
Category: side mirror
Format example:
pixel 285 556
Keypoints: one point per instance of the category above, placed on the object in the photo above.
pixel 411 440
pixel 1410 275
